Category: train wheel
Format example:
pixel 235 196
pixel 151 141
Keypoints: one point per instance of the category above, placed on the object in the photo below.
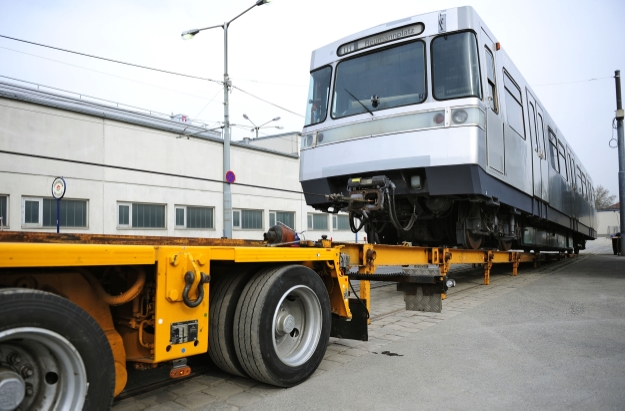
pixel 472 241
pixel 505 245
pixel 225 293
pixel 54 354
pixel 282 325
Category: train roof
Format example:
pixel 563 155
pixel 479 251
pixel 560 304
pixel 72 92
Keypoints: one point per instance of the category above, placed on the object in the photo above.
pixel 454 19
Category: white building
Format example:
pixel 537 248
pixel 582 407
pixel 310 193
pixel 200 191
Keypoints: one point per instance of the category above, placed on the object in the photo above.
pixel 608 222
pixel 135 173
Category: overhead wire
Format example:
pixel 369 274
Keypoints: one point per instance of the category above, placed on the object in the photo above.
pixel 573 82
pixel 143 67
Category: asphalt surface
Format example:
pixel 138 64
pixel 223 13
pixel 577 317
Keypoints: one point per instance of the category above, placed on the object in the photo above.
pixel 556 343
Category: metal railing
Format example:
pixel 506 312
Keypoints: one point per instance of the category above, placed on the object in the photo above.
pixel 81 96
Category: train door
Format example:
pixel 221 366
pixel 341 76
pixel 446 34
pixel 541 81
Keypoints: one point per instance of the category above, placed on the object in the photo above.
pixel 494 123
pixel 538 149
pixel 569 190
pixel 544 170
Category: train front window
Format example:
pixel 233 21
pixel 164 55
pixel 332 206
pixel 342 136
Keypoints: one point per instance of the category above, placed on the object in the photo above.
pixel 385 79
pixel 318 94
pixel 455 67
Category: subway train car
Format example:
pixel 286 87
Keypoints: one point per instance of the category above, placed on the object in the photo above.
pixel 424 131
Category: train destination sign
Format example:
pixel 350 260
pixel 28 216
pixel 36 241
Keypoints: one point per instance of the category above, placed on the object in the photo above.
pixel 377 39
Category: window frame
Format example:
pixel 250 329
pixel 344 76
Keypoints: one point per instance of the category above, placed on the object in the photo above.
pixel 553 147
pixel 495 99
pixel 5 220
pixel 330 90
pixel 275 218
pixel 479 65
pixel 377 50
pixel 39 223
pixel 185 215
pixel 507 75
pixel 130 206
pixel 310 222
pixel 562 159
pixel 335 222
pixel 240 212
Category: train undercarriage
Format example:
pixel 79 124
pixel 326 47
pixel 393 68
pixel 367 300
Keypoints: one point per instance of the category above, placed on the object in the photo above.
pixel 389 215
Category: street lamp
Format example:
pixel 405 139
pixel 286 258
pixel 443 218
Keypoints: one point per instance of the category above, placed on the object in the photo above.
pixel 189 34
pixel 256 128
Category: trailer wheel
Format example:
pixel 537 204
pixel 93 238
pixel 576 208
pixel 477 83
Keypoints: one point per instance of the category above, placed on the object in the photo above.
pixel 225 293
pixel 282 325
pixel 54 354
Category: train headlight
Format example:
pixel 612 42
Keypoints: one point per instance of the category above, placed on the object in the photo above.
pixel 459 116
pixel 439 118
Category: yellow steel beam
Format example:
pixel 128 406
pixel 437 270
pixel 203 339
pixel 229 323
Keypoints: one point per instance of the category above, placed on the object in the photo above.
pixel 63 255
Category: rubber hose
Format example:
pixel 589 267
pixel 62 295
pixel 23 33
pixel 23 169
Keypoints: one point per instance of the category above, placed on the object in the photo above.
pixel 132 293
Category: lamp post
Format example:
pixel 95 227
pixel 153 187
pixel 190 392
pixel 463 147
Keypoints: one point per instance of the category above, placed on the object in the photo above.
pixel 227 195
pixel 256 128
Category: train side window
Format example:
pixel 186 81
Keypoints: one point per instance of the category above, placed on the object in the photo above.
pixel 579 180
pixel 533 125
pixel 540 136
pixel 584 189
pixel 492 82
pixel 514 105
pixel 553 151
pixel 562 161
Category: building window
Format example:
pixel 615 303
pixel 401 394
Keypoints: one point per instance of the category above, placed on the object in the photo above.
pixel 140 215
pixel 317 221
pixel 285 217
pixel 194 217
pixel 41 212
pixel 247 219
pixel 4 211
pixel 340 222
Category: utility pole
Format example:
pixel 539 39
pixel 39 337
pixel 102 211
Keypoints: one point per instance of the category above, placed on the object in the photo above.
pixel 621 156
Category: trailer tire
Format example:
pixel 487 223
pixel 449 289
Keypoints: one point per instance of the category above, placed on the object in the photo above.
pixel 282 325
pixel 67 352
pixel 224 296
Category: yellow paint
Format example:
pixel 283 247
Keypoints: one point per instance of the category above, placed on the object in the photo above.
pixel 67 255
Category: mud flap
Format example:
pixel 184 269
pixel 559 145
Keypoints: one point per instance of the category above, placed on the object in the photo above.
pixel 354 328
pixel 422 297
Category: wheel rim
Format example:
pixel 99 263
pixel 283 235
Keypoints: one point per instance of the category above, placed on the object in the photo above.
pixel 297 325
pixel 50 368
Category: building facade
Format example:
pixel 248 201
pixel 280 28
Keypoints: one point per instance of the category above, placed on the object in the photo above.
pixel 134 173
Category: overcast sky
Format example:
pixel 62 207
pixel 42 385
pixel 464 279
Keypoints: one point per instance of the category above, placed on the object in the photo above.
pixel 551 42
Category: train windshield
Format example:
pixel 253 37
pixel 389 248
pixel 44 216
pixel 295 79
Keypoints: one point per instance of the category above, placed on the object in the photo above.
pixel 388 78
pixel 455 66
pixel 318 93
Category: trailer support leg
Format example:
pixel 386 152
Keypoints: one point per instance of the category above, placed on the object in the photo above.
pixel 365 295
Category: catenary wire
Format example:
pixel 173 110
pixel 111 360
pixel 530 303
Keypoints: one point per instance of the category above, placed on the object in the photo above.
pixel 148 68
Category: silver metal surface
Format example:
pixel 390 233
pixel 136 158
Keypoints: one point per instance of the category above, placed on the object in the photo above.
pixel 521 162
pixel 12 389
pixel 297 325
pixel 59 378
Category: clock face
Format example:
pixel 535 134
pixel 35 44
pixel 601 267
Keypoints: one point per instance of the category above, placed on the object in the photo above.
pixel 58 188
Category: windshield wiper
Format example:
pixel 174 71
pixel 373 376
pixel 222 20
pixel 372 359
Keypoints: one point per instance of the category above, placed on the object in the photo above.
pixel 359 102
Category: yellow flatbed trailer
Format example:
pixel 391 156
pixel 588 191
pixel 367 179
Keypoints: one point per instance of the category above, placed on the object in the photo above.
pixel 76 310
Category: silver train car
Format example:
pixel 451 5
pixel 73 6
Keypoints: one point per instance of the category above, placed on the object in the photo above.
pixel 424 131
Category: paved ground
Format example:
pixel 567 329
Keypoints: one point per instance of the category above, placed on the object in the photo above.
pixel 555 340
